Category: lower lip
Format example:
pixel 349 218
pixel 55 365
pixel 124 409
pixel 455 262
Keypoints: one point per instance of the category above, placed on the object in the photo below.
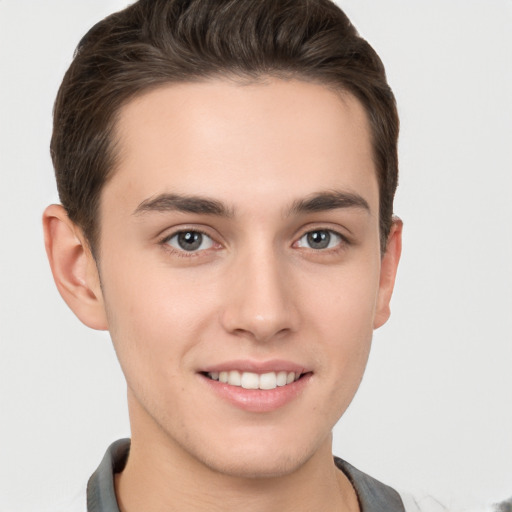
pixel 258 400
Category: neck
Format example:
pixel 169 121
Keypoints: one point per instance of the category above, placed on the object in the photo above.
pixel 160 476
pixel 152 482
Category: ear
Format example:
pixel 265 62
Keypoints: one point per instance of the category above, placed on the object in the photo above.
pixel 73 267
pixel 389 266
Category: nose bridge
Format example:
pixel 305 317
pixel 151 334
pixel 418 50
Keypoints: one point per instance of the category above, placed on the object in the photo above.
pixel 260 302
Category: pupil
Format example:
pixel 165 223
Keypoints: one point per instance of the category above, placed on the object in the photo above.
pixel 319 239
pixel 190 240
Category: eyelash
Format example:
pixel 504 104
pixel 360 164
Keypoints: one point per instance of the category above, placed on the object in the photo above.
pixel 340 245
pixel 182 252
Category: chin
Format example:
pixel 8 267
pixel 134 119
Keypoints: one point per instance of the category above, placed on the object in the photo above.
pixel 244 465
pixel 268 458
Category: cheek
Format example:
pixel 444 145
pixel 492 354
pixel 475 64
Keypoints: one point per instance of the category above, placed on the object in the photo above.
pixel 154 318
pixel 343 318
pixel 344 300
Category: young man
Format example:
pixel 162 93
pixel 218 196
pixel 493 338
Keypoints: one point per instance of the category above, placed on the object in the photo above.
pixel 227 171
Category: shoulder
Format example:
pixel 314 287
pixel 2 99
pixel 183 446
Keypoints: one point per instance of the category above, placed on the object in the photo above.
pixel 374 496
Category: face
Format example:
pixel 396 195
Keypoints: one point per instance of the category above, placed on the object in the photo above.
pixel 240 268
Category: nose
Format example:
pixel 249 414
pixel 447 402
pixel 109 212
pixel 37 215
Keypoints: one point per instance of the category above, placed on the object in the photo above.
pixel 260 300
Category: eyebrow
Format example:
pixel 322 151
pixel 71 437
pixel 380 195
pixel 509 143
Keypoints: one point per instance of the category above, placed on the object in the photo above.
pixel 322 201
pixel 183 203
pixel 330 200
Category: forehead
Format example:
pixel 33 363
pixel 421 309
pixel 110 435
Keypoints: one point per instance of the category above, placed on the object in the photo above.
pixel 276 140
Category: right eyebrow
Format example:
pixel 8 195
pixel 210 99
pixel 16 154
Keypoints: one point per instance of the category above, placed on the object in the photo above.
pixel 183 203
pixel 329 200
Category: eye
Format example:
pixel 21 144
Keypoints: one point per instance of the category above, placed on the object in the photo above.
pixel 320 239
pixel 190 241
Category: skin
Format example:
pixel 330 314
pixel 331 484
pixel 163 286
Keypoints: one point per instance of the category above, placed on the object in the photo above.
pixel 255 290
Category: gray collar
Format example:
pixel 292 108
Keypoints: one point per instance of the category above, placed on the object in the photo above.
pixel 373 495
pixel 101 497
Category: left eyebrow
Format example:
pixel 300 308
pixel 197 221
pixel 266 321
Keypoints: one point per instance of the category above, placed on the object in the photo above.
pixel 330 200
pixel 184 203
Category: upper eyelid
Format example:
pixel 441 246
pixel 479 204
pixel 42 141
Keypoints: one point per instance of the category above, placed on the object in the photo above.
pixel 163 242
pixel 168 236
pixel 167 233
pixel 176 233
pixel 219 239
pixel 329 230
pixel 343 238
pixel 322 227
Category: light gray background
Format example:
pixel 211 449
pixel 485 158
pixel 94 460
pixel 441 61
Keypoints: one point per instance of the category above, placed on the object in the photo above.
pixel 434 413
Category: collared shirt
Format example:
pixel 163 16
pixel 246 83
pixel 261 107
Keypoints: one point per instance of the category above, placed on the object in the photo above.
pixel 373 496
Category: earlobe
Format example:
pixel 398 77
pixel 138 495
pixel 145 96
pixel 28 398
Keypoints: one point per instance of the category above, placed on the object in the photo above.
pixel 73 267
pixel 389 266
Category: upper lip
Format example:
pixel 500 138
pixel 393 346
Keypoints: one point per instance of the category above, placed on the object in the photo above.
pixel 246 365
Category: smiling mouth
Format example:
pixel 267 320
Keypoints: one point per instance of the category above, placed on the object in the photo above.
pixel 250 380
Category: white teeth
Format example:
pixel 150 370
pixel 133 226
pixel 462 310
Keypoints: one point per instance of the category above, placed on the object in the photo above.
pixel 250 380
pixel 235 379
pixel 281 378
pixel 268 381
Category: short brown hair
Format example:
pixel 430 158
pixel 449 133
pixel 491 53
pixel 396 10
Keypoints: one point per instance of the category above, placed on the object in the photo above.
pixel 155 42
